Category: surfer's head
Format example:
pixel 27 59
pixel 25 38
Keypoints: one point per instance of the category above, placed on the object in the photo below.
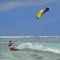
pixel 10 41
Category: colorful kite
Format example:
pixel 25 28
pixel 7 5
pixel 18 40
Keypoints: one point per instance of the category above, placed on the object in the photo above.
pixel 41 12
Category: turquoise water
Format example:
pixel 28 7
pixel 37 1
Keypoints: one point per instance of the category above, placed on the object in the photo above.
pixel 30 50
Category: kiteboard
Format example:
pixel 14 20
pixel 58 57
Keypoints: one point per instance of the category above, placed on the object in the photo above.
pixel 14 49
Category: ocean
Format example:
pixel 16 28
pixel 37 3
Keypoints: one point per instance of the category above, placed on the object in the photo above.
pixel 31 48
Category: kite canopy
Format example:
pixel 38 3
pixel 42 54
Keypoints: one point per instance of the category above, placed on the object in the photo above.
pixel 41 12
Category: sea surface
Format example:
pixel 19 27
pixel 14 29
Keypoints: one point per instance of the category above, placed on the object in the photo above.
pixel 31 48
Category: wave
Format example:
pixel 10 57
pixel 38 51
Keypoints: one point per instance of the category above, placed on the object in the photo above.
pixel 37 47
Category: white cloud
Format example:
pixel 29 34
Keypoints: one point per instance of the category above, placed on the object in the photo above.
pixel 13 4
pixel 19 3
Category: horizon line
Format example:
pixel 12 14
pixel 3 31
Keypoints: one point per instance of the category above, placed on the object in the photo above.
pixel 24 36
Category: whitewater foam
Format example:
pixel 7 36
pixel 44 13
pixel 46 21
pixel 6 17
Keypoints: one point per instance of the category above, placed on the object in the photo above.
pixel 37 47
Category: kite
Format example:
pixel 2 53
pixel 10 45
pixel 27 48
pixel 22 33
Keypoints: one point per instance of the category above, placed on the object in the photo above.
pixel 41 12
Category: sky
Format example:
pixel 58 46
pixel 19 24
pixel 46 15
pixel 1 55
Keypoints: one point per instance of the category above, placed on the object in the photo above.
pixel 18 18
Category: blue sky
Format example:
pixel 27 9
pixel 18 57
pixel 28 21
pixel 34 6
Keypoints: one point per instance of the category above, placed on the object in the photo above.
pixel 18 18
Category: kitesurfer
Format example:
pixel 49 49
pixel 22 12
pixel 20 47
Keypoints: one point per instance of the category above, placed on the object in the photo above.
pixel 11 46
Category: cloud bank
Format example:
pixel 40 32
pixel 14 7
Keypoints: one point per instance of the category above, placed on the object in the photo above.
pixel 21 3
